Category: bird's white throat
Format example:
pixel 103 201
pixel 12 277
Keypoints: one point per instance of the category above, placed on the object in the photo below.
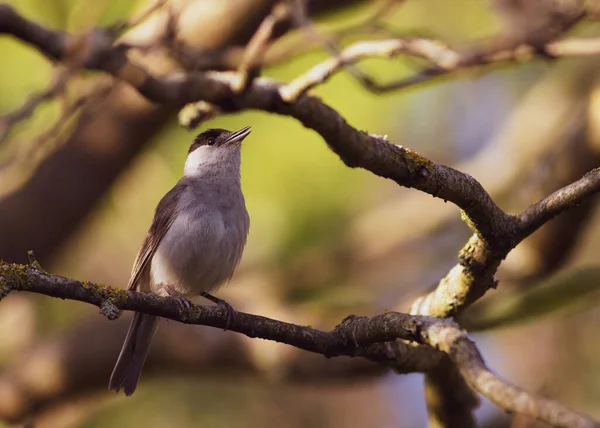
pixel 207 159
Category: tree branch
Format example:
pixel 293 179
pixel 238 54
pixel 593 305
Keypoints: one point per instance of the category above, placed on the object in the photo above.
pixel 56 88
pixel 354 336
pixel 252 57
pixel 443 59
pixel 474 275
pixel 496 232
pixel 434 51
pixel 561 200
pixel 355 148
pixel 111 301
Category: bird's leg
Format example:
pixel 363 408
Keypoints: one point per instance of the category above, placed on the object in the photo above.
pixel 185 303
pixel 229 311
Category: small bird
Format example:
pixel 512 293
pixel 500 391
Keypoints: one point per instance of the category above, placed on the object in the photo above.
pixel 194 244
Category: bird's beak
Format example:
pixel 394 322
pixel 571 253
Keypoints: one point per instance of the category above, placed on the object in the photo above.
pixel 238 136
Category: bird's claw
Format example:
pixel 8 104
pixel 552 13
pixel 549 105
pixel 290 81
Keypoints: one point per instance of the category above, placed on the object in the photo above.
pixel 181 301
pixel 226 307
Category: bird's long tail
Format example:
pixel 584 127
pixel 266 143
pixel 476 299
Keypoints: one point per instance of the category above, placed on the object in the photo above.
pixel 129 366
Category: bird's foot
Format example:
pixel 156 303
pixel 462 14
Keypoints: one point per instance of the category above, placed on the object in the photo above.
pixel 226 307
pixel 181 301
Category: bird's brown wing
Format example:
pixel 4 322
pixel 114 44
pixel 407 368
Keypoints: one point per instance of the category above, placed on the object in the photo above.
pixel 165 214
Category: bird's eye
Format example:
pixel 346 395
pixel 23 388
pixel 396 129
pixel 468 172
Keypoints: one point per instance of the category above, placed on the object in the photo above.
pixel 211 141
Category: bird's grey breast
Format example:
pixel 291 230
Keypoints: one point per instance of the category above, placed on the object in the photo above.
pixel 205 241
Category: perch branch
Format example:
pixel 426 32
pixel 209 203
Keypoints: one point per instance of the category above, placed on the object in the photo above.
pixel 354 336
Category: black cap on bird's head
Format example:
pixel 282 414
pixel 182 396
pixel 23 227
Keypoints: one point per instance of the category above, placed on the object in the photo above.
pixel 217 137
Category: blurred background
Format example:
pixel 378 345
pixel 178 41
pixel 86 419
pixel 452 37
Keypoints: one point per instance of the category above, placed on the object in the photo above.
pixel 79 188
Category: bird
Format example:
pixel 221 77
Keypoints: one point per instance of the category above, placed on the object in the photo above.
pixel 194 243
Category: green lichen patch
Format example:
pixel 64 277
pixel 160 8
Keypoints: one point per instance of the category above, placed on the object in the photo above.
pixel 467 219
pixel 14 275
pixel 415 162
pixel 116 295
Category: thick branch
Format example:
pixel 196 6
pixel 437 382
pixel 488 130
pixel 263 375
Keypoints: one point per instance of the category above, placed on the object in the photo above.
pixel 355 148
pixel 463 351
pixel 474 275
pixel 355 336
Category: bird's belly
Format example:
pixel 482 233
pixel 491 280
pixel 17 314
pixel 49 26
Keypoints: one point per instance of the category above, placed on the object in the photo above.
pixel 197 255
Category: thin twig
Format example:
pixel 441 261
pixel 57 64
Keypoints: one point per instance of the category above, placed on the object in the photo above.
pixel 130 23
pixel 255 50
pixel 300 43
pixel 442 58
pixel 9 120
pixel 18 168
pixel 330 44
pixel 439 55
